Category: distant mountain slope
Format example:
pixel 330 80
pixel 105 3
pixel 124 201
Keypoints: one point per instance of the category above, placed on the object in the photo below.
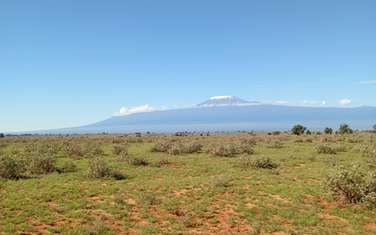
pixel 234 118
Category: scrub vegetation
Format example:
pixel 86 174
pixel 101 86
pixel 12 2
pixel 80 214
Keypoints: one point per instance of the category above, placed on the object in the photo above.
pixel 191 183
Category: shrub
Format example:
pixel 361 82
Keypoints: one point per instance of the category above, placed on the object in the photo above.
pixel 117 175
pixel 298 129
pixel 120 149
pixel 11 168
pixel 175 149
pixel 246 146
pixel 66 167
pixel 98 168
pixel 345 129
pixel 328 131
pixel 264 162
pixel 2 135
pixel 161 163
pixel 162 146
pixel 75 150
pixel 138 161
pixel 353 184
pixel 41 164
pixel 192 147
pixel 325 149
pixel 224 150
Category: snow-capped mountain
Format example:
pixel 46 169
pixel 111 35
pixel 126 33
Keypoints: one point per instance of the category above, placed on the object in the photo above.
pixel 262 117
pixel 216 101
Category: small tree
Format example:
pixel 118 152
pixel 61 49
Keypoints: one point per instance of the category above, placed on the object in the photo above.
pixel 298 129
pixel 308 132
pixel 2 135
pixel 345 129
pixel 374 128
pixel 328 131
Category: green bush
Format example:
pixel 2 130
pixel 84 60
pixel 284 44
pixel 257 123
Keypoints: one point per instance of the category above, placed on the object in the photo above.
pixel 98 168
pixel 353 184
pixel 264 162
pixel 11 168
pixel 138 161
pixel 298 130
pixel 328 131
pixel 345 129
pixel 41 164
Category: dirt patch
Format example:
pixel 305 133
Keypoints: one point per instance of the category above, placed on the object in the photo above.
pixel 370 226
pixel 228 222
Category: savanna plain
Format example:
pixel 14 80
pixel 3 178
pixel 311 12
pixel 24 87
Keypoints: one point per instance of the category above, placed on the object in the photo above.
pixel 189 183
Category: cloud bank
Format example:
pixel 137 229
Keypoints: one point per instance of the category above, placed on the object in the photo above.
pixel 344 102
pixel 139 109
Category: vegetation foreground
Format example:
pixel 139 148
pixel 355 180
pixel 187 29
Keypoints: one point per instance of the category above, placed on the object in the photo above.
pixel 241 183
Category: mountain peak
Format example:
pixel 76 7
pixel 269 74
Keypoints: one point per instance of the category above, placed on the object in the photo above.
pixel 225 101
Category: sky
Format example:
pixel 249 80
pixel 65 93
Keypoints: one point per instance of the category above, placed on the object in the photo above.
pixel 69 63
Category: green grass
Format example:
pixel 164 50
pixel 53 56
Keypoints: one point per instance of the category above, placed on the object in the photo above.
pixel 194 193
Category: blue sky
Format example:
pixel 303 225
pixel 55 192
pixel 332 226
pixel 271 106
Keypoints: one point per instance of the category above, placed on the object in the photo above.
pixel 68 63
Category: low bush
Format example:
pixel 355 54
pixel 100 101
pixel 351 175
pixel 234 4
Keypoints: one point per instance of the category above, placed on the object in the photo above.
pixel 264 163
pixel 192 147
pixel 161 163
pixel 162 146
pixel 120 149
pixel 98 168
pixel 326 149
pixel 224 150
pixel 41 164
pixel 353 184
pixel 11 168
pixel 177 148
pixel 138 161
pixel 66 167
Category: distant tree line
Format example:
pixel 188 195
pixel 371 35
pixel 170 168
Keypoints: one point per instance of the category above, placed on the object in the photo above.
pixel 343 129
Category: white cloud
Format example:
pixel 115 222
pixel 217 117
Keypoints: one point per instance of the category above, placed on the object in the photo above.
pixel 369 82
pixel 280 102
pixel 344 102
pixel 139 109
pixel 223 97
pixel 314 102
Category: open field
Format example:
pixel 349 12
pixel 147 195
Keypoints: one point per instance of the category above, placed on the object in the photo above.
pixel 240 183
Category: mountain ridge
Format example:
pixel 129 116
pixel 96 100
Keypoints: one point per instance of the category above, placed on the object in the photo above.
pixel 262 117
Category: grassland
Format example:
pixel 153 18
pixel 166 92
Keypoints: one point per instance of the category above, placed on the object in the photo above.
pixel 185 193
